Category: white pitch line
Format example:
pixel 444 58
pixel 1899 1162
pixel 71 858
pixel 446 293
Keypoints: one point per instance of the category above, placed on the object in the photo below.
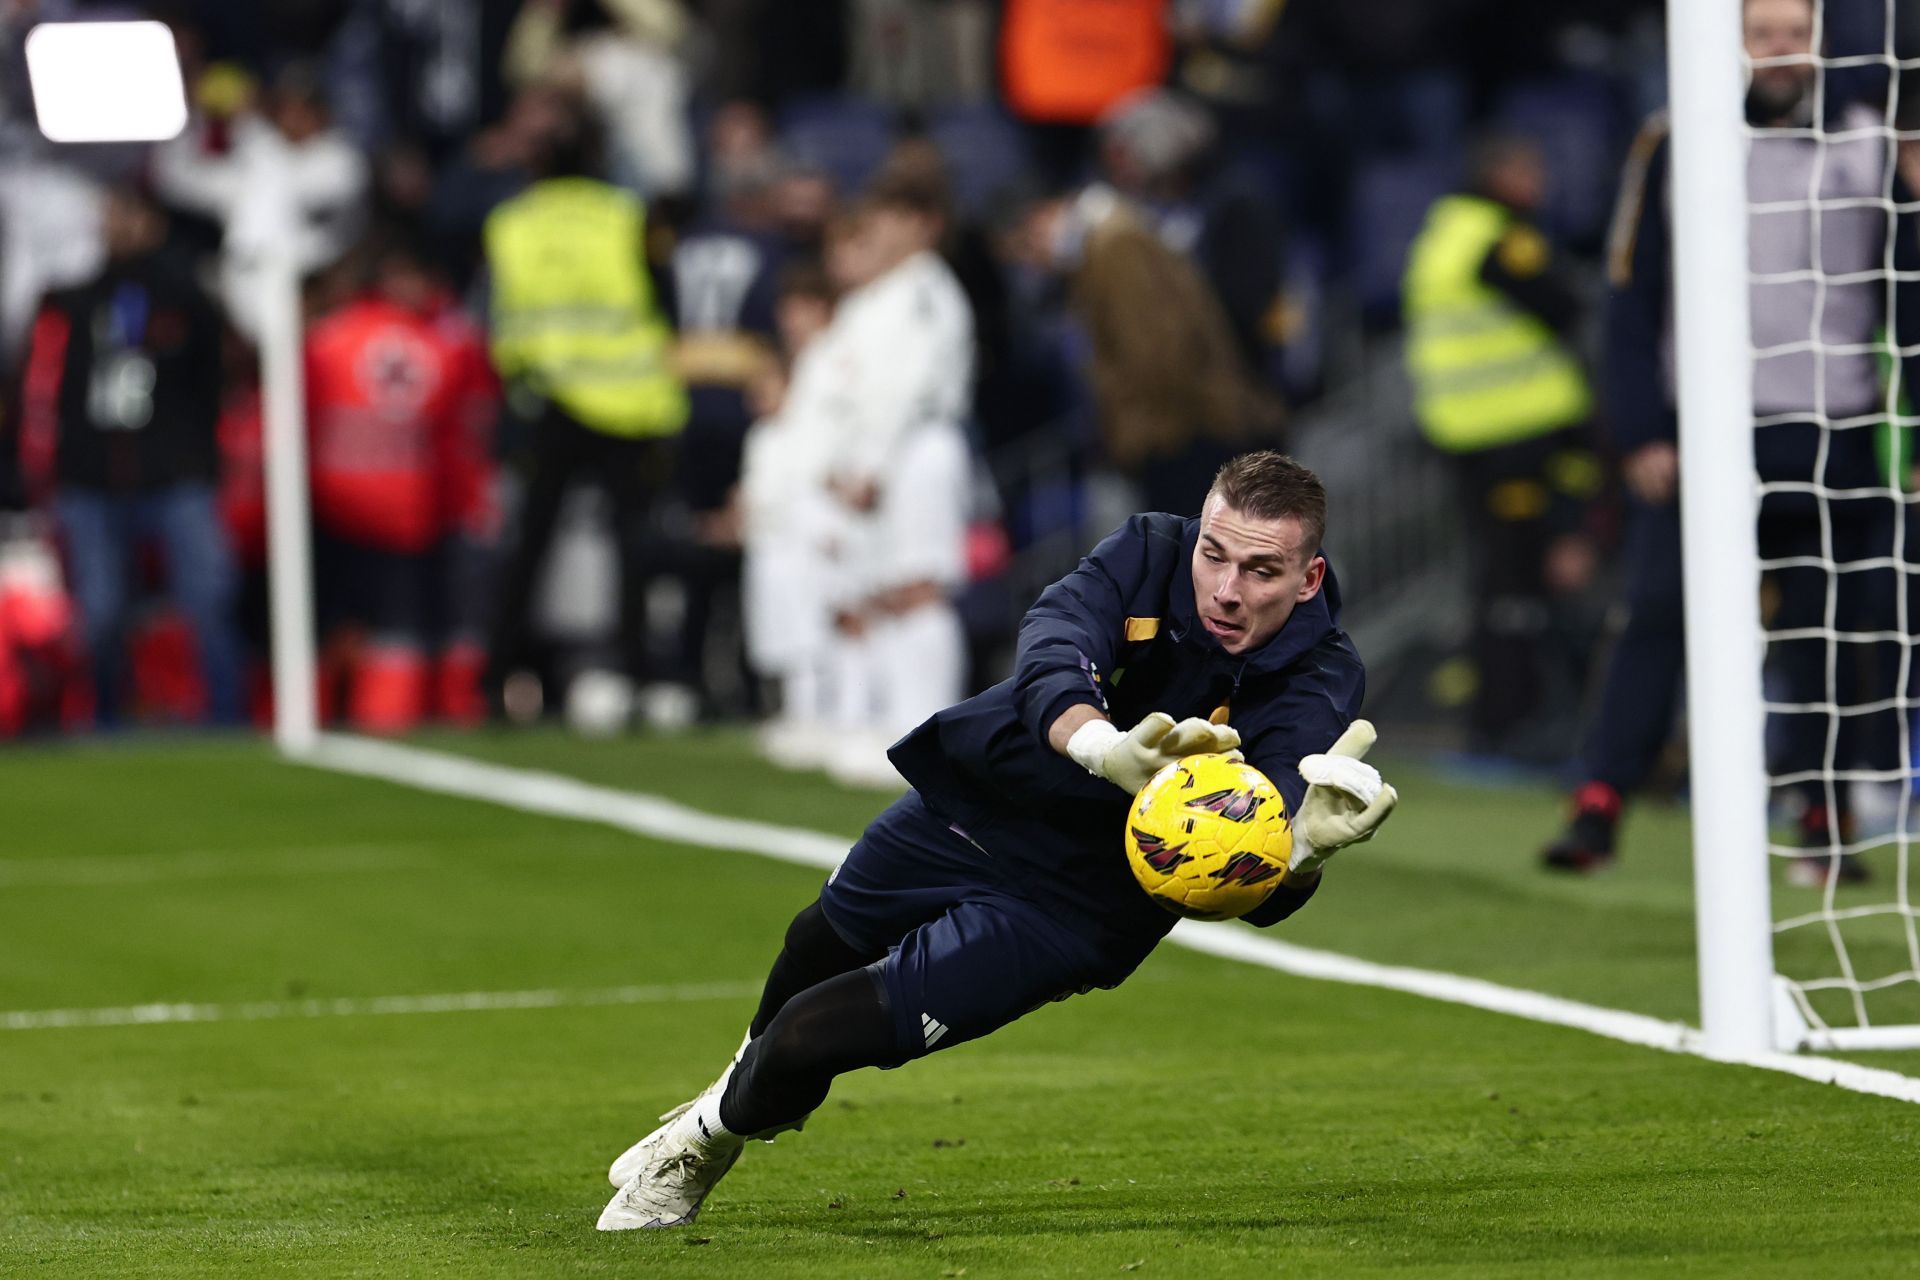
pixel 111 872
pixel 557 796
pixel 365 1006
pixel 1234 942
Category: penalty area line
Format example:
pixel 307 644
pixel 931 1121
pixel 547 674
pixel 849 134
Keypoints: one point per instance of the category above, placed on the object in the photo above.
pixel 554 795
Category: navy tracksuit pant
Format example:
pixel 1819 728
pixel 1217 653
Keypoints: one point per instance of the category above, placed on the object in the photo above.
pixel 1642 683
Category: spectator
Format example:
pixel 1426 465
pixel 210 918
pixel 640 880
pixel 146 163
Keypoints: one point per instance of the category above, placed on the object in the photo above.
pixel 123 392
pixel 285 181
pixel 619 55
pixel 1157 149
pixel 1499 390
pixel 724 269
pixel 726 261
pixel 1173 398
pixel 581 338
pixel 50 239
pixel 803 203
pixel 426 75
pixel 1821 281
pixel 42 680
pixel 399 396
pixel 786 524
pixel 740 155
pixel 496 166
pixel 1064 64
pixel 902 342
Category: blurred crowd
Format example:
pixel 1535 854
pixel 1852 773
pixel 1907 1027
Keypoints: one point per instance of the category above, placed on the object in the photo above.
pixel 677 358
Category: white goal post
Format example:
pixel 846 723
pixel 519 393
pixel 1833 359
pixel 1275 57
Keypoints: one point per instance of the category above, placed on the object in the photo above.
pixel 1837 968
pixel 1714 359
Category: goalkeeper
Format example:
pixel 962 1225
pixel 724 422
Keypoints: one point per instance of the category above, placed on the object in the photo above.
pixel 998 883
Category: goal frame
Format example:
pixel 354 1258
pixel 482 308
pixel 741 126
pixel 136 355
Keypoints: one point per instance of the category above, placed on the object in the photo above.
pixel 1745 1008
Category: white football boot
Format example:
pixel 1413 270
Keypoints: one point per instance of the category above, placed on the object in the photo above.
pixel 628 1162
pixel 679 1163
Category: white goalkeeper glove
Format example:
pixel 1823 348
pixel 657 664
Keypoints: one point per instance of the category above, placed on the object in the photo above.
pixel 1345 804
pixel 1128 760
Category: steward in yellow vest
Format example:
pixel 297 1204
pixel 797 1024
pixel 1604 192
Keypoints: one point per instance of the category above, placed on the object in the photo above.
pixel 581 338
pixel 1482 310
pixel 1497 388
pixel 574 316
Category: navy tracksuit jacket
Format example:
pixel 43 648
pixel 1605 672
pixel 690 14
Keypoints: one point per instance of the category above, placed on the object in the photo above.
pixel 1120 632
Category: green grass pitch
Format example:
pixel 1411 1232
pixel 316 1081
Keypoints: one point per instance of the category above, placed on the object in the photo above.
pixel 1207 1119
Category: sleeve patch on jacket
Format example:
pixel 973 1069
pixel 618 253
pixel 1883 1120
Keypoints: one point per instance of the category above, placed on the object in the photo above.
pixel 1523 253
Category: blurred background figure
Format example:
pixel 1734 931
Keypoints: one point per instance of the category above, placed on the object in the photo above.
pixel 901 346
pixel 1160 150
pixel 581 335
pixel 1491 320
pixel 122 394
pixel 400 403
pixel 726 264
pixel 43 686
pixel 1063 65
pixel 787 522
pixel 1173 396
pixel 620 57
pixel 1817 304
pixel 279 177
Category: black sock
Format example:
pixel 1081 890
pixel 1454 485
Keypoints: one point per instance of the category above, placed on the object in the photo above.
pixel 813 952
pixel 833 1027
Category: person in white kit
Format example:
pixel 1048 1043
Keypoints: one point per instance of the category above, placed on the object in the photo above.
pixel 900 363
pixel 786 514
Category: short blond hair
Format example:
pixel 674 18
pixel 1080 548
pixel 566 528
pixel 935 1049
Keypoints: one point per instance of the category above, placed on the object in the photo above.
pixel 1268 485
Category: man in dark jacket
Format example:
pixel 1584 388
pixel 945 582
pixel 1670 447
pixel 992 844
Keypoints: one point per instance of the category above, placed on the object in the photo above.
pixel 123 396
pixel 1834 290
pixel 998 883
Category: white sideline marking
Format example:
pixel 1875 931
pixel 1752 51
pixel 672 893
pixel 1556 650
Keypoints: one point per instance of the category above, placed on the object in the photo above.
pixel 1237 943
pixel 362 1006
pixel 557 796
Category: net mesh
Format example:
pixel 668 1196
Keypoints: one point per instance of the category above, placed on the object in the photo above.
pixel 1834 258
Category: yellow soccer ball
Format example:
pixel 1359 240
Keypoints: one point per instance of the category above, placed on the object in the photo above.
pixel 1208 838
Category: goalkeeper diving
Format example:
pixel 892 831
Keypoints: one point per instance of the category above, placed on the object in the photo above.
pixel 999 883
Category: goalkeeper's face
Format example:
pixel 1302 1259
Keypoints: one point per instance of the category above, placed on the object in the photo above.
pixel 1249 574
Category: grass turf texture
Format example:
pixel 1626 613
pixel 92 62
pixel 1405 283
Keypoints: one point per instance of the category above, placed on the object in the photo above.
pixel 1206 1119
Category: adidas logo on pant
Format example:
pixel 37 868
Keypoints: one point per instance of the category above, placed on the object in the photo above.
pixel 932 1029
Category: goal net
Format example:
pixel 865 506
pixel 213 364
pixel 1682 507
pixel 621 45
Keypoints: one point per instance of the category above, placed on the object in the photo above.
pixel 1788 197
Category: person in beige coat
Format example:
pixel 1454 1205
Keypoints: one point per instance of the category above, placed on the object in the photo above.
pixel 1174 396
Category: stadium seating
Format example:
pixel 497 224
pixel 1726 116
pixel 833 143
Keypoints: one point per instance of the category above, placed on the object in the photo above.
pixel 1578 121
pixel 986 154
pixel 843 136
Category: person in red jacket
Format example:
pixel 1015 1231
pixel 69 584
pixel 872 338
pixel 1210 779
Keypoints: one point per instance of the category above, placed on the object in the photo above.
pixel 400 402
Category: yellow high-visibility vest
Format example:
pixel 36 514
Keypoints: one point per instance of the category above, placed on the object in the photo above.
pixel 1485 372
pixel 574 315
